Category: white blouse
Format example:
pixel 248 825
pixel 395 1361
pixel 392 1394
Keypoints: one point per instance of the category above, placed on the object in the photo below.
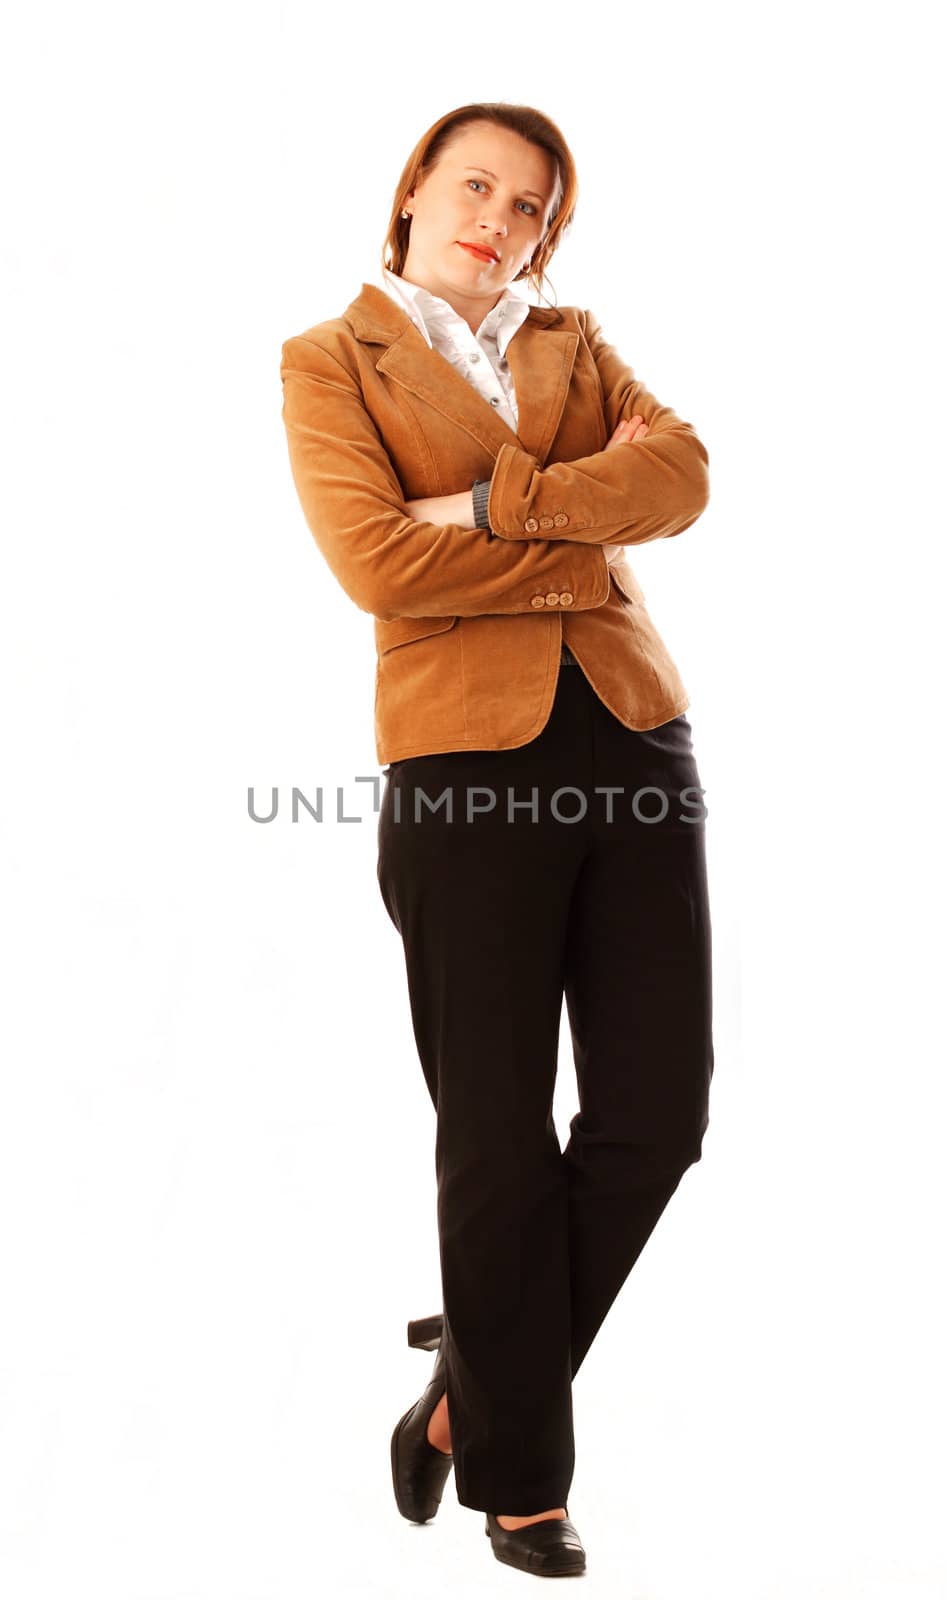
pixel 479 357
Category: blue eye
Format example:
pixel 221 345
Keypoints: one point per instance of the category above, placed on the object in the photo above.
pixel 532 208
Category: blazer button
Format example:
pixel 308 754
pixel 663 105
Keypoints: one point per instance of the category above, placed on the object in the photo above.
pixel 530 524
pixel 566 598
pixel 552 599
pixel 560 519
pixel 546 522
pixel 538 600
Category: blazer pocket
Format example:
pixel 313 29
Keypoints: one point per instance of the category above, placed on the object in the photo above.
pixel 404 630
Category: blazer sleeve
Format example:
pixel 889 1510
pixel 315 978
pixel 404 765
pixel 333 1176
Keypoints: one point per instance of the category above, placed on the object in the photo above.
pixel 387 563
pixel 652 488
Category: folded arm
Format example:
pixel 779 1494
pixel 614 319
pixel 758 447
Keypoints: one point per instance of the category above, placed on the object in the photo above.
pixel 388 563
pixel 469 508
pixel 628 496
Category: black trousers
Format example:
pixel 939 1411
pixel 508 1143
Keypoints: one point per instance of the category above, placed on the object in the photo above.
pixel 572 866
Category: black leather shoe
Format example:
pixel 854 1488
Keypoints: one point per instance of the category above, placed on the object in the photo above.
pixel 551 1548
pixel 419 1470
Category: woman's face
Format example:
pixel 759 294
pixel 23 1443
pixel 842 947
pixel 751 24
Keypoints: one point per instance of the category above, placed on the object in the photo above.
pixel 489 186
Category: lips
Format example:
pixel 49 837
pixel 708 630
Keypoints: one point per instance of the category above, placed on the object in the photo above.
pixel 482 252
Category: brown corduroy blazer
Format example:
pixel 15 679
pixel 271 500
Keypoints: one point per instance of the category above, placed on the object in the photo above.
pixel 469 622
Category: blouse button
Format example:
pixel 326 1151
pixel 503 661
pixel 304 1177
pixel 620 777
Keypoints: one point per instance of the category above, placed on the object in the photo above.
pixel 473 356
pixel 493 400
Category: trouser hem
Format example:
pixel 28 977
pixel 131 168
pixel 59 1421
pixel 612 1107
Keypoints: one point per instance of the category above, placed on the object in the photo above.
pixel 506 1500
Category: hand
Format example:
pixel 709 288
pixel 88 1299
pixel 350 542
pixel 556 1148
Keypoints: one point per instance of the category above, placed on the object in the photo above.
pixel 628 432
pixel 625 433
pixel 444 509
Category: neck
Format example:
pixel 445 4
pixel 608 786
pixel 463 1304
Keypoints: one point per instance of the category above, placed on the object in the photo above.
pixel 472 308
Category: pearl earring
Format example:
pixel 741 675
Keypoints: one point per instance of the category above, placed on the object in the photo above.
pixel 405 213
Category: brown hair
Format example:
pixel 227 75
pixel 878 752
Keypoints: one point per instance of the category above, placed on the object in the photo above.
pixel 530 124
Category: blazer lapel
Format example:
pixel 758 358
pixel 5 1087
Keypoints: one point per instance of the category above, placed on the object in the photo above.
pixel 541 359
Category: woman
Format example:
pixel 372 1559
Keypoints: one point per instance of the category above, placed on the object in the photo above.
pixel 472 467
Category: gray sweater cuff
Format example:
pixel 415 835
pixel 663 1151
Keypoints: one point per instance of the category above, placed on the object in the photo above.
pixel 481 494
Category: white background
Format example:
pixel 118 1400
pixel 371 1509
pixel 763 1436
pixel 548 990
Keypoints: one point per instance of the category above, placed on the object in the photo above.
pixel 216 1148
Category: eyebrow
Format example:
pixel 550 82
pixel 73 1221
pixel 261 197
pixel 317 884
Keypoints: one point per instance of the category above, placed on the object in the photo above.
pixel 496 180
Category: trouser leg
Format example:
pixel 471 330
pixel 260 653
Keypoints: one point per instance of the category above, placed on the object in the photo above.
pixel 482 912
pixel 638 993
